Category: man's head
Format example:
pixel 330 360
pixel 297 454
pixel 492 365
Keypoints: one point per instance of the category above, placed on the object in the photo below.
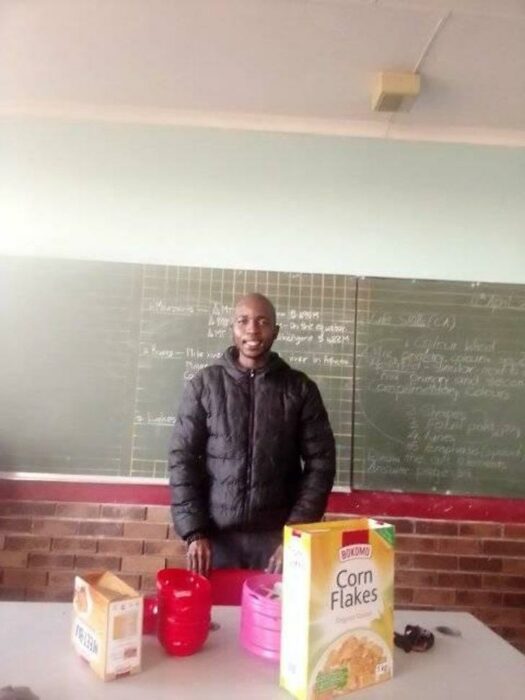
pixel 254 329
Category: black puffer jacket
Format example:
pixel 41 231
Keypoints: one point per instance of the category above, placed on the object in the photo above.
pixel 250 450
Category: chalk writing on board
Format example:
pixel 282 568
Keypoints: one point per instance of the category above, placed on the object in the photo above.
pixel 150 419
pixel 159 306
pixel 440 404
pixel 413 320
pixel 186 324
pixel 511 302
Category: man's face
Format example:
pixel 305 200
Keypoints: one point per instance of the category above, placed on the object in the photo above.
pixel 254 330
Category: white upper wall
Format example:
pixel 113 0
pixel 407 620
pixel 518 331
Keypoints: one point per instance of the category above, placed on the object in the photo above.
pixel 261 200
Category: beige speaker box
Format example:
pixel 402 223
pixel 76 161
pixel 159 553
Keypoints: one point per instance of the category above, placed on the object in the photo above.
pixel 392 92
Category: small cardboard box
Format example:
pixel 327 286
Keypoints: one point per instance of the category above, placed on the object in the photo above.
pixel 337 615
pixel 107 624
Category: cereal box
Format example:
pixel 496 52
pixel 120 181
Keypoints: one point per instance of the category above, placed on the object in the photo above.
pixel 107 624
pixel 337 617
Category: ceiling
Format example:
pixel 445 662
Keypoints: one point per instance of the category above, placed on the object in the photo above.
pixel 285 65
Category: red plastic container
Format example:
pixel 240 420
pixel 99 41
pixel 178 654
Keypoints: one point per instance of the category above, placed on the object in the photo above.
pixel 181 644
pixel 181 589
pixel 184 626
pixel 182 639
pixel 150 615
pixel 189 614
pixel 184 611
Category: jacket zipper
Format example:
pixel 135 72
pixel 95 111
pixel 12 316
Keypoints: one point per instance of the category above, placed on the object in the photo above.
pixel 251 420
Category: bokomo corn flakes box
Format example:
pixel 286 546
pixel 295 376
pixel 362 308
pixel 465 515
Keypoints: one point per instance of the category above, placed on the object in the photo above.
pixel 337 616
pixel 107 624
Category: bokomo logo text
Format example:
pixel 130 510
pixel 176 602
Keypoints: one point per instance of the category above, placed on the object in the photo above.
pixel 355 551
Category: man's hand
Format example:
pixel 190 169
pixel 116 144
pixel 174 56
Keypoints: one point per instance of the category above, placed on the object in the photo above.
pixel 275 564
pixel 199 556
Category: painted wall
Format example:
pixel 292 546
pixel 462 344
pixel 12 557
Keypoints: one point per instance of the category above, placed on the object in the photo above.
pixel 271 201
pixel 261 200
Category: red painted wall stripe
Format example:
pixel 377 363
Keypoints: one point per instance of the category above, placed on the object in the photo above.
pixel 369 503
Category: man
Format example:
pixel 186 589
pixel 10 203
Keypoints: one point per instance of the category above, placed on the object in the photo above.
pixel 251 450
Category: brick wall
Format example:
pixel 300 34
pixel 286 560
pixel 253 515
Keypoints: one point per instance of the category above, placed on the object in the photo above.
pixel 477 567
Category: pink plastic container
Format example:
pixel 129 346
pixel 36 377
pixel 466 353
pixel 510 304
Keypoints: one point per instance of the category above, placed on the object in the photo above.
pixel 261 616
pixel 269 654
pixel 258 594
pixel 257 619
pixel 269 639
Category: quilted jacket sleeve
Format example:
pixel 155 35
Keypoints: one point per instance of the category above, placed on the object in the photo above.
pixel 187 472
pixel 318 454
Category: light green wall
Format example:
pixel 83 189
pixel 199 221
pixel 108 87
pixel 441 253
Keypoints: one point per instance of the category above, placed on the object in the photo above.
pixel 267 201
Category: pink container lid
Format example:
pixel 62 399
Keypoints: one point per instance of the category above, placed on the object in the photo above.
pixel 260 592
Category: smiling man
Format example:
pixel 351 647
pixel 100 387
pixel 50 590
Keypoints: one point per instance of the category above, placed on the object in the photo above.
pixel 251 450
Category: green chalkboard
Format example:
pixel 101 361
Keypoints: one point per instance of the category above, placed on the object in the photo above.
pixel 440 387
pixel 424 381
pixel 67 365
pixel 95 356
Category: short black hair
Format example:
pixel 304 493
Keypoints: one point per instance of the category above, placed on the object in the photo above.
pixel 259 297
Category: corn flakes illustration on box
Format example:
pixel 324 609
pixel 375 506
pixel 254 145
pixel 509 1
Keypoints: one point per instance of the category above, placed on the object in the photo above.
pixel 337 615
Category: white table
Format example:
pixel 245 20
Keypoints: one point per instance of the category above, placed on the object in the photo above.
pixel 35 651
